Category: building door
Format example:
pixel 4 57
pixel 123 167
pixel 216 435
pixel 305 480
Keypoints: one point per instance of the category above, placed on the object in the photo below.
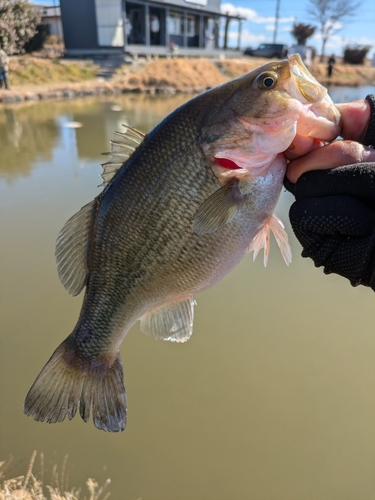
pixel 157 26
pixel 135 23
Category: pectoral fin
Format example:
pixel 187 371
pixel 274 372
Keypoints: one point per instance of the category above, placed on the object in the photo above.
pixel 262 240
pixel 219 209
pixel 71 249
pixel 172 322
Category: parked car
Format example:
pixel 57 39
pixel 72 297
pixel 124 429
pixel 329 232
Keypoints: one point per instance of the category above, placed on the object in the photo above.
pixel 268 50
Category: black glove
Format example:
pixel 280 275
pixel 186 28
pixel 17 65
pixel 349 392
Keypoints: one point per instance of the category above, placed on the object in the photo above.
pixel 333 218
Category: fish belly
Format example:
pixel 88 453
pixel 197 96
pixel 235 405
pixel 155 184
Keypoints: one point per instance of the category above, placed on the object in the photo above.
pixel 156 256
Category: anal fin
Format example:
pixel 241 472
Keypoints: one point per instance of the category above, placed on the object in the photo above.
pixel 173 321
pixel 262 240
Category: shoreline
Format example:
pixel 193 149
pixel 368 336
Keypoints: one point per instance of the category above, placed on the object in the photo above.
pixel 171 76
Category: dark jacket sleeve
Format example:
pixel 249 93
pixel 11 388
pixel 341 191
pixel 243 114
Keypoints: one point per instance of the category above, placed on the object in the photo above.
pixel 333 216
pixel 369 139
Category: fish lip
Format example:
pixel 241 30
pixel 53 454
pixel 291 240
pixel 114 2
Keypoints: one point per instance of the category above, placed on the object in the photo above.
pixel 315 99
pixel 308 88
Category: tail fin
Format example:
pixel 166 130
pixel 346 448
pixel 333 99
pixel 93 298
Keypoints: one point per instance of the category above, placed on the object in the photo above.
pixel 66 383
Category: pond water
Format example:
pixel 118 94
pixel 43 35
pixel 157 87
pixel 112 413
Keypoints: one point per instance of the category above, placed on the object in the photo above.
pixel 272 398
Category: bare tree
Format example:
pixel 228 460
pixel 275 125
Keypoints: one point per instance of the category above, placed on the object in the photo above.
pixel 329 13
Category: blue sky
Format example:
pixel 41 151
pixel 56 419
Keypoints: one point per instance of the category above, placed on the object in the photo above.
pixel 358 29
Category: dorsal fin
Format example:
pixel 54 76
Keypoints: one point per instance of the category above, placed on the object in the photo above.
pixel 122 148
pixel 71 249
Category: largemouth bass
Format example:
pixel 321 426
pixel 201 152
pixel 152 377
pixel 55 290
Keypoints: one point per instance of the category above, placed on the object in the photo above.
pixel 193 198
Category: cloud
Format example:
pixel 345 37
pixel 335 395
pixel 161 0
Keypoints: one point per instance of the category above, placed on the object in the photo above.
pixel 248 38
pixel 251 15
pixel 364 40
pixel 280 29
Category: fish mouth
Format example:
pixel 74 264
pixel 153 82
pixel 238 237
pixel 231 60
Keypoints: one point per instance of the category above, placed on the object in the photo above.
pixel 308 87
pixel 319 116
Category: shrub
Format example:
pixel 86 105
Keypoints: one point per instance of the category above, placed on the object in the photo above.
pixel 356 55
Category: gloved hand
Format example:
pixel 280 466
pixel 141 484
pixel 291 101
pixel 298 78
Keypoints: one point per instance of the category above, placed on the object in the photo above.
pixel 333 217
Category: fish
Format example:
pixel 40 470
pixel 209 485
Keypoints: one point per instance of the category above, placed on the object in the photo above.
pixel 180 208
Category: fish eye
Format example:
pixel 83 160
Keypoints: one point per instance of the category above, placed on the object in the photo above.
pixel 266 80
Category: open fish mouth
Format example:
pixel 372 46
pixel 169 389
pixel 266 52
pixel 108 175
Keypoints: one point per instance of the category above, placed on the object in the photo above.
pixel 319 118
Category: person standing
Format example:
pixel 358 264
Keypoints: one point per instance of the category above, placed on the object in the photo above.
pixel 4 68
pixel 331 65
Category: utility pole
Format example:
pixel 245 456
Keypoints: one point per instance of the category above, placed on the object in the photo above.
pixel 276 20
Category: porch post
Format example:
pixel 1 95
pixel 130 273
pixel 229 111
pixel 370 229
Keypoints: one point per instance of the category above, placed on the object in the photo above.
pixel 124 26
pixel 185 28
pixel 239 33
pixel 201 31
pixel 147 25
pixel 167 39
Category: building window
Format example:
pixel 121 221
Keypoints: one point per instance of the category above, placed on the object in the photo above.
pixel 191 26
pixel 176 24
pixel 157 26
pixel 192 30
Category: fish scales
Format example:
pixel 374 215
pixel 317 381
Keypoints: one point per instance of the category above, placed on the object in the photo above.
pixel 195 196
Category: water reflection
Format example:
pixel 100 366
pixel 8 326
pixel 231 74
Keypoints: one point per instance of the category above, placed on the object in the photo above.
pixel 272 398
pixel 26 134
pixel 29 133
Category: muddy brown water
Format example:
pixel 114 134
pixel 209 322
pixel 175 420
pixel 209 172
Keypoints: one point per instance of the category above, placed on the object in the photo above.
pixel 272 398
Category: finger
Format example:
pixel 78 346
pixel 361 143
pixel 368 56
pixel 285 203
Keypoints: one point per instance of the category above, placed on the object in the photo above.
pixel 355 118
pixel 301 146
pixel 332 155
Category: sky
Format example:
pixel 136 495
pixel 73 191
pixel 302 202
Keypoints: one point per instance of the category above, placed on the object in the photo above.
pixel 259 27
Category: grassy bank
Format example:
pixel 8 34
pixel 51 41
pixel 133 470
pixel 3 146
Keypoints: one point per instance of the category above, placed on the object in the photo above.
pixel 184 74
pixel 42 78
pixel 29 70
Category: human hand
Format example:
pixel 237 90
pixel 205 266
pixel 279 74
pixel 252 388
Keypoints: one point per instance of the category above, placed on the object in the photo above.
pixel 334 185
pixel 306 155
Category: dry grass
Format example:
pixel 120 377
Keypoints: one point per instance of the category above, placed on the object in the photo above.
pixel 195 75
pixel 344 74
pixel 233 68
pixel 181 75
pixel 29 487
pixel 29 74
pixel 26 70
